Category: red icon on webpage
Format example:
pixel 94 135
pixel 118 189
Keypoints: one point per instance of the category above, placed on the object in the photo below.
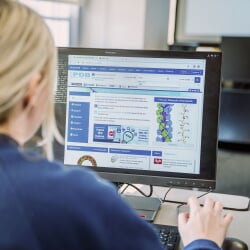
pixel 157 161
pixel 111 133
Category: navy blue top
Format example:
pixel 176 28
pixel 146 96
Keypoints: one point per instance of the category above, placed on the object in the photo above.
pixel 46 206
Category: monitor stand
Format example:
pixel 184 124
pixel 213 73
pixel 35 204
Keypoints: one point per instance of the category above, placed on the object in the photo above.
pixel 146 207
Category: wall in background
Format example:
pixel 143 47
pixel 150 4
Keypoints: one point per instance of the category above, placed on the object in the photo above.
pixel 156 24
pixel 125 24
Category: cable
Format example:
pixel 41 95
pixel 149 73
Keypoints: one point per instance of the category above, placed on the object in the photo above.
pixel 118 185
pixel 139 190
pixel 164 198
pixel 124 189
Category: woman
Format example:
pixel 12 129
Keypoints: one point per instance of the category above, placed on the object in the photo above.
pixel 43 205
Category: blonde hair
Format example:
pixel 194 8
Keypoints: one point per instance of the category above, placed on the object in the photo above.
pixel 26 48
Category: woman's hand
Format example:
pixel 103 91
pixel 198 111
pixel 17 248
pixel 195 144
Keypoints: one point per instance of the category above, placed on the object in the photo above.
pixel 205 222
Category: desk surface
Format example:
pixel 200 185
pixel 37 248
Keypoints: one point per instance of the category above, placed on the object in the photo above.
pixel 168 212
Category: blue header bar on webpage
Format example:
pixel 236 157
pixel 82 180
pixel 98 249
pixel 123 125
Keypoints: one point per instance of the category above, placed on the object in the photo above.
pixel 136 70
pixel 175 100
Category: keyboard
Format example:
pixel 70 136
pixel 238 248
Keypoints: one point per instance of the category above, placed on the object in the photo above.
pixel 169 236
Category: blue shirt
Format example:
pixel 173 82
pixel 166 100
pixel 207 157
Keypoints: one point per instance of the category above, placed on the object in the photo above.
pixel 46 206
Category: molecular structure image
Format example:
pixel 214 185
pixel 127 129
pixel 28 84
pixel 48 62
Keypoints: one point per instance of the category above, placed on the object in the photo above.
pixel 165 130
pixel 184 130
pixel 173 123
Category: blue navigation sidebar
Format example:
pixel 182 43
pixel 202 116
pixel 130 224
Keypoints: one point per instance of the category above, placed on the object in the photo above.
pixel 78 122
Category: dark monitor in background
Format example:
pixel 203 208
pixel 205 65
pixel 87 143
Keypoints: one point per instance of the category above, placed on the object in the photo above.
pixel 236 59
pixel 234 126
pixel 139 116
pixel 235 97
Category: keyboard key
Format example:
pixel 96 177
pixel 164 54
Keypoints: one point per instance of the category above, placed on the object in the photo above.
pixel 169 236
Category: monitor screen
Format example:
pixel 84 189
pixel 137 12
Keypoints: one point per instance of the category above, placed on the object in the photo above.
pixel 235 59
pixel 140 116
pixel 205 22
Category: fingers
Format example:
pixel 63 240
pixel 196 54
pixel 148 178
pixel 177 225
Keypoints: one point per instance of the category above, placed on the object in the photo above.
pixel 194 205
pixel 209 203
pixel 218 207
pixel 204 222
pixel 228 219
pixel 183 217
pixel 183 220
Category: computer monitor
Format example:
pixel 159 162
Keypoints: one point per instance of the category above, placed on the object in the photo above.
pixel 235 96
pixel 140 116
pixel 235 59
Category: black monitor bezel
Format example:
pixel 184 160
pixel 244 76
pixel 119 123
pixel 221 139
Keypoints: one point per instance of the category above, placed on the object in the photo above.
pixel 209 140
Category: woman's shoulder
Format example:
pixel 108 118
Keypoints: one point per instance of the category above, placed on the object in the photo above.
pixel 80 181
